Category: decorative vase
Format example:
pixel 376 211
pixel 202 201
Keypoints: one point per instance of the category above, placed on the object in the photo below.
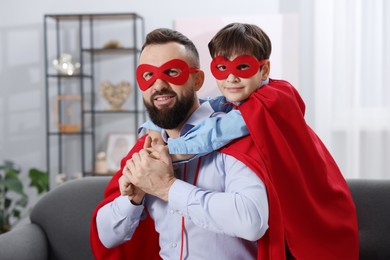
pixel 65 65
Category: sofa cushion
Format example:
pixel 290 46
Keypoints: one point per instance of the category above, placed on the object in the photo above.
pixel 24 242
pixel 372 200
pixel 65 216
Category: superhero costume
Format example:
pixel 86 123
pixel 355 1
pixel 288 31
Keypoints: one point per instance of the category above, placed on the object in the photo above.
pixel 309 201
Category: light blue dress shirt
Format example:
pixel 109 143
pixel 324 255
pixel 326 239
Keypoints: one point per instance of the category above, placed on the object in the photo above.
pixel 210 134
pixel 225 212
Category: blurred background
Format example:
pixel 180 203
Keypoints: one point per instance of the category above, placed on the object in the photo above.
pixel 335 52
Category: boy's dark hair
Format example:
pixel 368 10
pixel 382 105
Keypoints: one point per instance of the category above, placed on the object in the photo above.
pixel 165 35
pixel 241 39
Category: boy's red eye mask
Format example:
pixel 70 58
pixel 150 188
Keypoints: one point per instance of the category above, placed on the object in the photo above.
pixel 162 73
pixel 244 66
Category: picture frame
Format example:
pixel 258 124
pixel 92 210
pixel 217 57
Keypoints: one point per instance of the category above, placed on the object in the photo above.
pixel 67 113
pixel 118 145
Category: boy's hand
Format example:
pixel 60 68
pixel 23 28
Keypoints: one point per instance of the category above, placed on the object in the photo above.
pixel 155 138
pixel 150 143
pixel 153 176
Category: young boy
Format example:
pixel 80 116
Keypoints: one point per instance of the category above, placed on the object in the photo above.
pixel 312 194
pixel 249 60
pixel 241 66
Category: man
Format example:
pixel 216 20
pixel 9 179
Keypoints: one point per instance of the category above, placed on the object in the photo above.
pixel 214 207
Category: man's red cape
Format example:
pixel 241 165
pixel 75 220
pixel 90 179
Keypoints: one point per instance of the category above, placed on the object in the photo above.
pixel 310 205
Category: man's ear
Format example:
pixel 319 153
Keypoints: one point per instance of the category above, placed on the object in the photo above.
pixel 265 69
pixel 199 79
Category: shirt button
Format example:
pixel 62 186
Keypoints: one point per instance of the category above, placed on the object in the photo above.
pixel 173 245
pixel 172 211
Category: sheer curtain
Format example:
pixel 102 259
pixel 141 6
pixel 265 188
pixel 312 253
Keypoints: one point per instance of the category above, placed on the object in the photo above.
pixel 351 84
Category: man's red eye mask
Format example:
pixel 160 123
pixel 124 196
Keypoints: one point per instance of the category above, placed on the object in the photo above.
pixel 233 67
pixel 160 73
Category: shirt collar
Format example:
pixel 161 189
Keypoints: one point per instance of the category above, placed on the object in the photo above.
pixel 203 111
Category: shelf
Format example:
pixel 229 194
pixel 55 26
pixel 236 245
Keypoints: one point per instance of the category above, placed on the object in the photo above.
pixel 69 76
pixel 76 133
pixel 113 112
pixel 100 16
pixel 111 50
pixel 84 35
pixel 99 174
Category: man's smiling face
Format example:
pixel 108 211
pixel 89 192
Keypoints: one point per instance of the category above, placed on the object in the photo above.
pixel 168 104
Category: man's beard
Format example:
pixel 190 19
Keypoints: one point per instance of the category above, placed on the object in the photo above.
pixel 170 118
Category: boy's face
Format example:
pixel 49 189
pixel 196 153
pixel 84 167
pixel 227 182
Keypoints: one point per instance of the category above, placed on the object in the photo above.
pixel 236 88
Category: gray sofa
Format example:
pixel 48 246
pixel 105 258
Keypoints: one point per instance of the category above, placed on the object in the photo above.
pixel 60 222
pixel 59 226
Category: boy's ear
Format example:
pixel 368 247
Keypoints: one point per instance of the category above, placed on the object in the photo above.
pixel 199 79
pixel 265 70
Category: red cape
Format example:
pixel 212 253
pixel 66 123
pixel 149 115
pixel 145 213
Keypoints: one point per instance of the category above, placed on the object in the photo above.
pixel 310 203
pixel 144 243
pixel 318 216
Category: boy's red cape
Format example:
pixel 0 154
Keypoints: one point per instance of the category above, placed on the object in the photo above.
pixel 310 205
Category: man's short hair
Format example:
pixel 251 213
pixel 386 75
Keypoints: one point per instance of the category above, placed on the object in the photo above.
pixel 165 35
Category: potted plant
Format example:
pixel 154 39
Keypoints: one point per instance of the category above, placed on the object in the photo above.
pixel 13 198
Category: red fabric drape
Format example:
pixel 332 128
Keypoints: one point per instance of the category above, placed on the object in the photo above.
pixel 310 205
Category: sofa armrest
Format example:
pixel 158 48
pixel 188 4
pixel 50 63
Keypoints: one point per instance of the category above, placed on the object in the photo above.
pixel 24 243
